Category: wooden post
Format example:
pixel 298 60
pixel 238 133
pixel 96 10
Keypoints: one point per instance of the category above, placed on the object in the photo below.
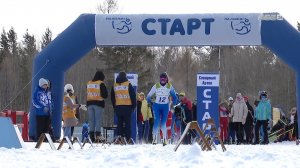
pixel 41 140
pixel 193 125
pixel 214 130
pixel 65 139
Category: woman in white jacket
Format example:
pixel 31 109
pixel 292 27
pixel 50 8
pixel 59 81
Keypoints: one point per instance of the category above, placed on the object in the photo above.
pixel 238 113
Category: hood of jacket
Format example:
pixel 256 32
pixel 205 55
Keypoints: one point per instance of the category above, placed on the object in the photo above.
pixel 122 77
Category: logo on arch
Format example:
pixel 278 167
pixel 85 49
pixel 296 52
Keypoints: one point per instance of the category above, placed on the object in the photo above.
pixel 240 26
pixel 121 25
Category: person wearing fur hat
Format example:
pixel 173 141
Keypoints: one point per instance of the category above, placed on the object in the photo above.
pixel 238 113
pixel 96 93
pixel 123 98
pixel 41 101
pixel 162 90
pixel 69 110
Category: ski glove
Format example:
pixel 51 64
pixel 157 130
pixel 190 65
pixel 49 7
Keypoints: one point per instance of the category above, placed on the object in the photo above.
pixel 83 107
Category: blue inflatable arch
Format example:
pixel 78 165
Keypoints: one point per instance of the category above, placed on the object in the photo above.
pixel 89 30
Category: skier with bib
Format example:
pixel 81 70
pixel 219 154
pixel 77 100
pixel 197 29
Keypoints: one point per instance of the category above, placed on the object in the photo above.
pixel 162 91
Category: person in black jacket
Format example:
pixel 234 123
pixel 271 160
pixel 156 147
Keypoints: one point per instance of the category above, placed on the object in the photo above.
pixel 248 127
pixel 96 93
pixel 123 98
pixel 187 107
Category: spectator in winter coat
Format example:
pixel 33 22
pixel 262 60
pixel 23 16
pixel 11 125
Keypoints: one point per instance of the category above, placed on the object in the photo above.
pixel 248 127
pixel 238 113
pixel 177 118
pixel 231 129
pixel 195 110
pixel 262 117
pixel 162 91
pixel 96 93
pixel 143 115
pixel 69 110
pixel 123 98
pixel 139 121
pixel 293 124
pixel 187 107
pixel 42 102
pixel 75 100
pixel 223 121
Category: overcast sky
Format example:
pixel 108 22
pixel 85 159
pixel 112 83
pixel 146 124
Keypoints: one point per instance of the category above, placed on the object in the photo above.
pixel 37 15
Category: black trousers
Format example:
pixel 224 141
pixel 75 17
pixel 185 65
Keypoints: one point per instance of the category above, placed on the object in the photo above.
pixel 258 124
pixel 124 121
pixel 249 132
pixel 150 136
pixel 42 125
pixel 238 127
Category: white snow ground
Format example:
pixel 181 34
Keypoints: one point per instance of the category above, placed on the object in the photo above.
pixel 285 154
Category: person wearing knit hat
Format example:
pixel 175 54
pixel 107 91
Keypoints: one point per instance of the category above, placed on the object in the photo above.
pixel 43 82
pixel 223 113
pixel 230 99
pixel 187 108
pixel 162 91
pixel 41 101
pixel 182 94
pixel 238 113
pixel 248 127
pixel 231 129
pixel 144 114
pixel 262 116
pixel 123 98
pixel 96 95
pixel 70 113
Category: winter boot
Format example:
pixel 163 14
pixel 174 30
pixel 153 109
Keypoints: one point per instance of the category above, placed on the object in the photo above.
pixel 165 141
pixel 92 136
pixel 154 141
pixel 97 136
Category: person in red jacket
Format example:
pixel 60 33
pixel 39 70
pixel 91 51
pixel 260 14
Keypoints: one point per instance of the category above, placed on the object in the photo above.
pixel 223 122
pixel 187 107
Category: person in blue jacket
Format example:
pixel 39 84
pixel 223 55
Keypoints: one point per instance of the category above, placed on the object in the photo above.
pixel 262 117
pixel 162 91
pixel 42 102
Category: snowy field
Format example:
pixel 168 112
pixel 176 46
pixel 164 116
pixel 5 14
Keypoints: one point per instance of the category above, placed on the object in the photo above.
pixel 286 154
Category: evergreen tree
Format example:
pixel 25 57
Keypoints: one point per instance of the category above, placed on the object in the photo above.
pixel 47 38
pixel 12 38
pixel 28 52
pixel 29 44
pixel 4 46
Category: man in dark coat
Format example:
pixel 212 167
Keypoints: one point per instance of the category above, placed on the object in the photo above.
pixel 123 98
